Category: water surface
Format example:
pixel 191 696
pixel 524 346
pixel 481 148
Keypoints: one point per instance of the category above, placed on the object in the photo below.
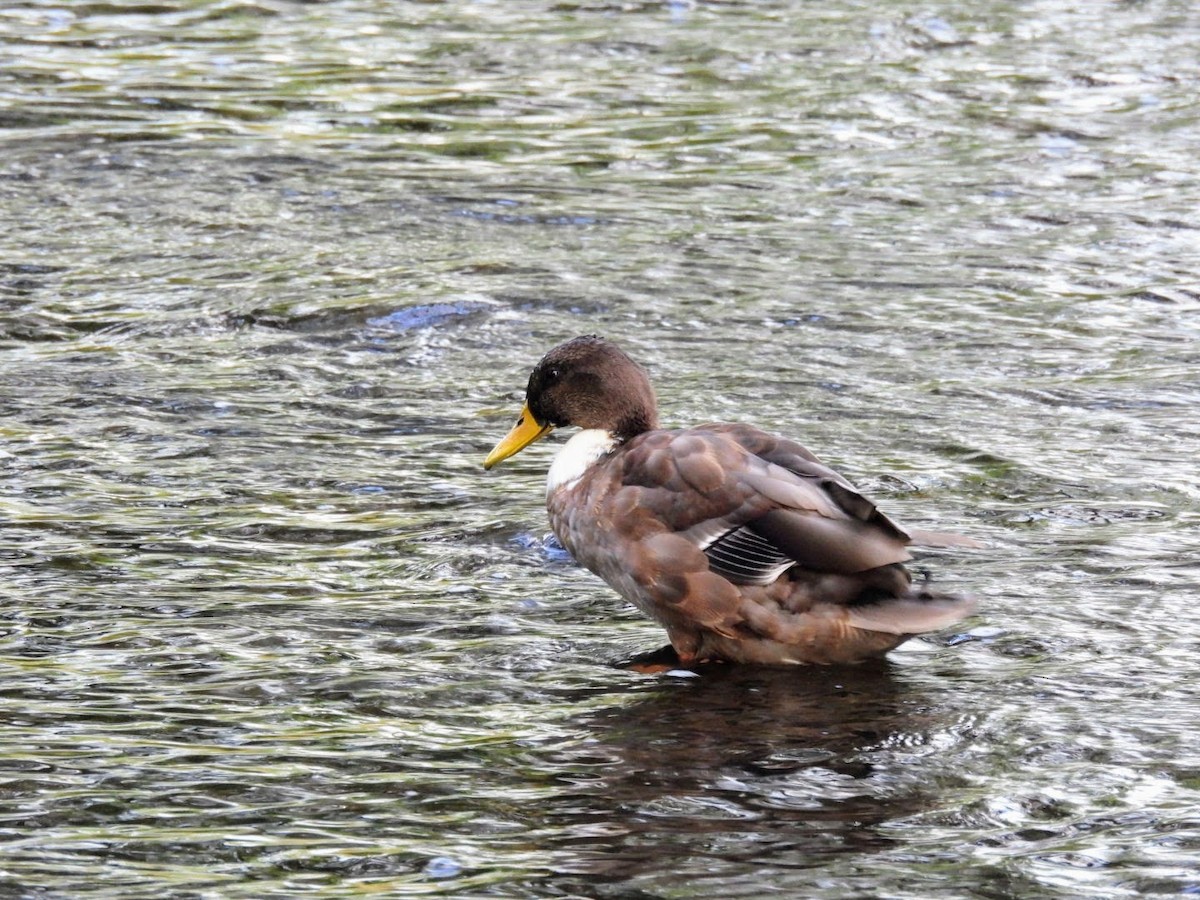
pixel 273 276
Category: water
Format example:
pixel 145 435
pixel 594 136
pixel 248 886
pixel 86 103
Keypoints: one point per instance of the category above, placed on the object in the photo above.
pixel 273 275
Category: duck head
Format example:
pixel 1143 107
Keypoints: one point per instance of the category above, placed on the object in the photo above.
pixel 588 382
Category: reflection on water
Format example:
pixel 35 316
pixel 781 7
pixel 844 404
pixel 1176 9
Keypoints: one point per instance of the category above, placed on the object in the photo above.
pixel 776 768
pixel 271 273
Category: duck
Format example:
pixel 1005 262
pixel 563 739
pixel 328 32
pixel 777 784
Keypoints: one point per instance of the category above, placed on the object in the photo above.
pixel 742 545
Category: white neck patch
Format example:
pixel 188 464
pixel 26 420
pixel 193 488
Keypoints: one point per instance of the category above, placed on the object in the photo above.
pixel 576 455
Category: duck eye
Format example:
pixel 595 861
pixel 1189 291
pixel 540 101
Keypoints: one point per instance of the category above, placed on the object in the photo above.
pixel 553 374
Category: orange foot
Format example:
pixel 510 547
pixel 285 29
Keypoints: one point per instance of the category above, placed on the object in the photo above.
pixel 665 659
pixel 655 662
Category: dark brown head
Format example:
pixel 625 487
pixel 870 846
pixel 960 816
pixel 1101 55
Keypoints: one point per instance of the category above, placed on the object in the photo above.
pixel 589 382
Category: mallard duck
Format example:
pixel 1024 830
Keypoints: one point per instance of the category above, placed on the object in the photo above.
pixel 742 545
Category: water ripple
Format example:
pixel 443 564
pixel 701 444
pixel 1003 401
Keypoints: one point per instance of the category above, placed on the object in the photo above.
pixel 274 278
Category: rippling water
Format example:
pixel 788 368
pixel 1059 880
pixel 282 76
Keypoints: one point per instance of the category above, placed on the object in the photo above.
pixel 272 278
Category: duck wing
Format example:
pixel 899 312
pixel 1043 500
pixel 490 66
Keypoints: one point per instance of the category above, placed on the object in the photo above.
pixel 800 461
pixel 843 550
pixel 794 510
pixel 692 525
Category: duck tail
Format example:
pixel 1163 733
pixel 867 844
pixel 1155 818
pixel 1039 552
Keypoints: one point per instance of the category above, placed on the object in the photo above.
pixel 917 611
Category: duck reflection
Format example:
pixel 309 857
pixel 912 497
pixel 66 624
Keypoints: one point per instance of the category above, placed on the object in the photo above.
pixel 746 766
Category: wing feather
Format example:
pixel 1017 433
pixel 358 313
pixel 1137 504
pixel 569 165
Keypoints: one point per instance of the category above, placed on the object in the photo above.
pixel 746 557
pixel 806 511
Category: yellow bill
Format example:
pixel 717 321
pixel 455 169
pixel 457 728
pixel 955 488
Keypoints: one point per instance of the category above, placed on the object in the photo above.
pixel 525 432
